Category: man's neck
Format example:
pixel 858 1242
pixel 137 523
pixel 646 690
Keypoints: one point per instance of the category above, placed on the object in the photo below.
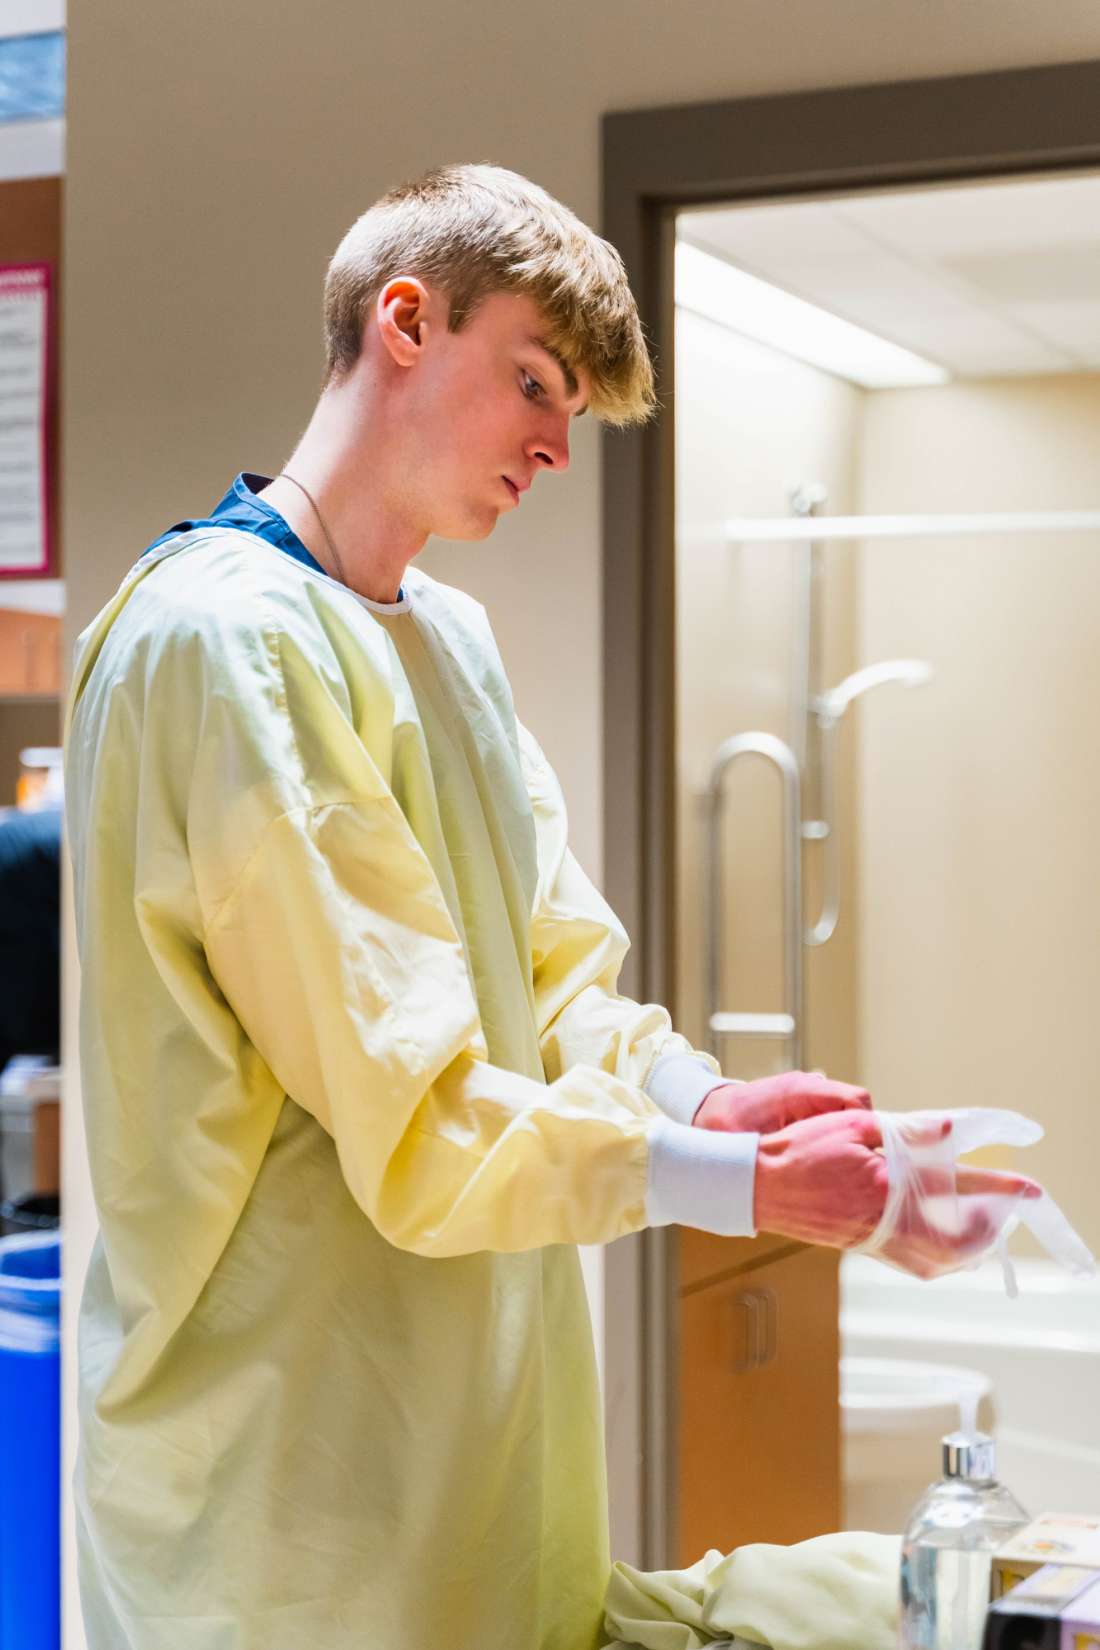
pixel 348 523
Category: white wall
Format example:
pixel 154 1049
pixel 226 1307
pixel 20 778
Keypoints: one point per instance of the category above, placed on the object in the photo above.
pixel 216 153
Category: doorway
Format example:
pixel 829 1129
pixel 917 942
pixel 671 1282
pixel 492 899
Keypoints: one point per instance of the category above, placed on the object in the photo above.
pixel 661 166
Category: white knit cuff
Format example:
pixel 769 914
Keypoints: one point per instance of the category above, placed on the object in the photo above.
pixel 702 1178
pixel 679 1083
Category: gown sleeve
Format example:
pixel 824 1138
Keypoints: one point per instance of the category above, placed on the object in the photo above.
pixel 328 935
pixel 326 932
pixel 577 950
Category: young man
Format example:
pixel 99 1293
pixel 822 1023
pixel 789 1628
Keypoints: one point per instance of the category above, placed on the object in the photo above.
pixel 356 1074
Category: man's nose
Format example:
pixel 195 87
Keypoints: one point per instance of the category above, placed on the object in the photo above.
pixel 551 448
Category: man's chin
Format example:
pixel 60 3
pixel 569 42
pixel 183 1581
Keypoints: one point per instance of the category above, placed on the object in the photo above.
pixel 471 530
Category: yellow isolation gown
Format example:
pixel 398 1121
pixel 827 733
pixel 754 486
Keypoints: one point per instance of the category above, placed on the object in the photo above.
pixel 356 1081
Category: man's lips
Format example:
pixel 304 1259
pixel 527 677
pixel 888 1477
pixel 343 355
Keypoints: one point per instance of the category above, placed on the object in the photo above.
pixel 513 489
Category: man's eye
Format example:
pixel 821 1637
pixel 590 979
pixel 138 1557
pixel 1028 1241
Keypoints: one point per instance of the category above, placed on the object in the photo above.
pixel 532 389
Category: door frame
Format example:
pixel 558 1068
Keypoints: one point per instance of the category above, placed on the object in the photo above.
pixel 1006 123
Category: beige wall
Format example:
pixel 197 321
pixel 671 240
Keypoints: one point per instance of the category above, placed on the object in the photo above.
pixel 216 152
pixel 751 426
pixel 980 793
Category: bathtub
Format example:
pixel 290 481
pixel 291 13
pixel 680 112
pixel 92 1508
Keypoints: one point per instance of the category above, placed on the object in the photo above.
pixel 1041 1352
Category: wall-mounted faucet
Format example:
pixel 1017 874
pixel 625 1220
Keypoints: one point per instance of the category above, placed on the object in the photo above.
pixel 827 711
pixel 832 705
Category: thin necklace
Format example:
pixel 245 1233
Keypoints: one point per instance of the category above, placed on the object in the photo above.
pixel 328 536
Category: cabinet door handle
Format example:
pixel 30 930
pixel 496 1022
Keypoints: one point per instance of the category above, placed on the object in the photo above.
pixel 757 1316
pixel 746 1305
pixel 769 1311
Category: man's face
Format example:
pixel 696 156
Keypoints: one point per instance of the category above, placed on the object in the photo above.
pixel 489 408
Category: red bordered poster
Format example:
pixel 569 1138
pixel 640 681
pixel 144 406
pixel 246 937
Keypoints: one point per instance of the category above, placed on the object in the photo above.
pixel 24 377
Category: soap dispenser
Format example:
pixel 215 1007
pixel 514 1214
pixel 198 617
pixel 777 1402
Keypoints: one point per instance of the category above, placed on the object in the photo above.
pixel 948 1546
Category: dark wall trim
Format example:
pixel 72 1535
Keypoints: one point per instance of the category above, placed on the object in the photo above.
pixel 652 161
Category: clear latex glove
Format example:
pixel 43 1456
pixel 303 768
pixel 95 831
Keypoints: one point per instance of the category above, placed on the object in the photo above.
pixel 826 1179
pixel 940 1216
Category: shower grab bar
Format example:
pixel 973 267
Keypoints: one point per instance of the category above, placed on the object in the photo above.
pixel 788 1025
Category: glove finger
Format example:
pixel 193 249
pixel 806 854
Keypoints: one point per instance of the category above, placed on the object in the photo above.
pixel 996 1182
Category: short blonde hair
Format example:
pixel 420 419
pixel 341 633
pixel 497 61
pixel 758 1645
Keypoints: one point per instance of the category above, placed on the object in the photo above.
pixel 478 230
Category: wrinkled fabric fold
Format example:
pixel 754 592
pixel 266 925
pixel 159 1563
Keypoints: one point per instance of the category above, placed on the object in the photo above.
pixel 834 1592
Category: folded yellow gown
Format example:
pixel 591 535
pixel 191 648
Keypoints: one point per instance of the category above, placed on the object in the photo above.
pixel 836 1592
pixel 356 1080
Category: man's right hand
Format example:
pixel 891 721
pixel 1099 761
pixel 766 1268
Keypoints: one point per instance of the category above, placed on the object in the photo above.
pixel 823 1180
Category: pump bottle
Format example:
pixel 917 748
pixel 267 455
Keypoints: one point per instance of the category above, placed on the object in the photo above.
pixel 948 1546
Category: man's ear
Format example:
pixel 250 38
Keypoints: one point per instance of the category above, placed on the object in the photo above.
pixel 403 313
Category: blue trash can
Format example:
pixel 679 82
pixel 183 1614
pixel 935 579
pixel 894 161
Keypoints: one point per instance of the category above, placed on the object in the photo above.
pixel 30 1442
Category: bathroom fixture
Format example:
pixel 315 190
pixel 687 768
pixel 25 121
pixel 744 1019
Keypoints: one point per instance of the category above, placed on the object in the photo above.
pixel 816 717
pixel 787 1025
pixel 827 710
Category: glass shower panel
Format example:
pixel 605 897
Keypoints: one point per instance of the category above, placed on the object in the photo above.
pixel 965 963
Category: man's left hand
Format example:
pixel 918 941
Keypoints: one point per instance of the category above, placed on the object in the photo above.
pixel 771 1103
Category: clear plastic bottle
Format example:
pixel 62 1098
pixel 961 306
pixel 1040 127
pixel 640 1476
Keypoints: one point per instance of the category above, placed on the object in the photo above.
pixel 948 1546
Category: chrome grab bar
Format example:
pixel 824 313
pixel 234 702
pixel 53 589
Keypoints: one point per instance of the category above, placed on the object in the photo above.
pixel 788 1025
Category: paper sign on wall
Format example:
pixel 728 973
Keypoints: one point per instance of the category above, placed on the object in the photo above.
pixel 24 331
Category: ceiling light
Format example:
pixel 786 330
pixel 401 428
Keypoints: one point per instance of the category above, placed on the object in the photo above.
pixel 710 287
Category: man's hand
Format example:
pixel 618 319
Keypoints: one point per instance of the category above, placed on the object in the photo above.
pixel 824 1180
pixel 771 1103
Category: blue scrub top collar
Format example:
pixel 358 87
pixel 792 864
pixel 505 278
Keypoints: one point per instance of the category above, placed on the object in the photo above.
pixel 240 507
